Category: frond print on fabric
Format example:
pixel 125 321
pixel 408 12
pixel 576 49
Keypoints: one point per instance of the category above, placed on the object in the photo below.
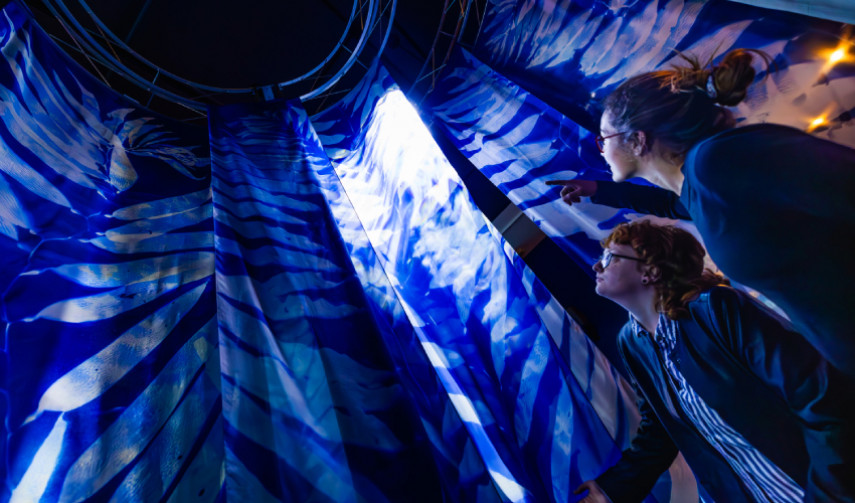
pixel 463 474
pixel 572 53
pixel 110 382
pixel 519 142
pixel 312 406
pixel 319 314
pixel 534 428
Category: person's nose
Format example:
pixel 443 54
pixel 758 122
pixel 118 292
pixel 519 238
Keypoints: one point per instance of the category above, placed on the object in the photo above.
pixel 598 267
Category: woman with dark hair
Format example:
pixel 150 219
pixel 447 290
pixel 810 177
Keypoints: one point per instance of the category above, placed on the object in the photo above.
pixel 758 414
pixel 775 206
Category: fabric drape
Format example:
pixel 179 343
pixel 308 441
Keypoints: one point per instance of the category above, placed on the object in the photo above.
pixel 286 308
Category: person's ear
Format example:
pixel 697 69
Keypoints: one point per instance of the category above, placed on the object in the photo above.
pixel 638 142
pixel 650 275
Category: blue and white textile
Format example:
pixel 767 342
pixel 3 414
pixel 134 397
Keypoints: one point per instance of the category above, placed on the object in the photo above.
pixel 572 53
pixel 519 143
pixel 109 381
pixel 465 302
pixel 288 308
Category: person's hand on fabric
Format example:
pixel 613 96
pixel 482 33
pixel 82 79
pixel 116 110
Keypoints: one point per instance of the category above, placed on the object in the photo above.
pixel 574 190
pixel 595 494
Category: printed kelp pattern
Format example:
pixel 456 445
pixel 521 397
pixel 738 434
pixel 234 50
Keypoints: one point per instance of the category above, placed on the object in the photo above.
pixel 313 316
pixel 464 476
pixel 519 142
pixel 110 374
pixel 526 414
pixel 572 53
pixel 313 409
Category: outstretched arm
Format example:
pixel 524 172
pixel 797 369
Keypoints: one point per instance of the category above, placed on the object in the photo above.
pixel 572 191
pixel 649 200
pixel 640 198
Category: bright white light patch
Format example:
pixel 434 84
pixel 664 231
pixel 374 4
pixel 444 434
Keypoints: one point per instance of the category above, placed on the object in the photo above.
pixel 434 353
pixel 464 408
pixel 512 490
pixel 35 479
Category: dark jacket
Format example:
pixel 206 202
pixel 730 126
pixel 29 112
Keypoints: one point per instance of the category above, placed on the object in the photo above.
pixel 763 379
pixel 776 209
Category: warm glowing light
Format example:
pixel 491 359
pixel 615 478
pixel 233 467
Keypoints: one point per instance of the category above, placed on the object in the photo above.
pixel 821 120
pixel 835 55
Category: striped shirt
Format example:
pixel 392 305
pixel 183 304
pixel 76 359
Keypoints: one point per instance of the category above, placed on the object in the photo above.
pixel 763 479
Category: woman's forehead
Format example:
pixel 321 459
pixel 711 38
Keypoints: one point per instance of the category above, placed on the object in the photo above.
pixel 619 248
pixel 606 122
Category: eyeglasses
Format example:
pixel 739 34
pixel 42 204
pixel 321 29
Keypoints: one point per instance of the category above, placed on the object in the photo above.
pixel 601 140
pixel 606 258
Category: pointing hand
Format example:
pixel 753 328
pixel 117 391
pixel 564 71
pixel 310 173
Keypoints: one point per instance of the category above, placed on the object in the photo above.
pixel 574 190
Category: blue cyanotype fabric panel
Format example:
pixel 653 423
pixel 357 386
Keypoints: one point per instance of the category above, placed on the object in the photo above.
pixel 110 374
pixel 572 53
pixel 313 407
pixel 504 131
pixel 534 428
pixel 464 476
pixel 519 142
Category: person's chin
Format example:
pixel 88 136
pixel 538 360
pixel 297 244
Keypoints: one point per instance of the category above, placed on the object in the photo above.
pixel 618 176
pixel 603 291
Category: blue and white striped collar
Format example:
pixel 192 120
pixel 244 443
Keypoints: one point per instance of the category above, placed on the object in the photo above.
pixel 666 331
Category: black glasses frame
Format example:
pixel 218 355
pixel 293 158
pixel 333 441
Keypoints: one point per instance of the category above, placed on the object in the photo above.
pixel 606 258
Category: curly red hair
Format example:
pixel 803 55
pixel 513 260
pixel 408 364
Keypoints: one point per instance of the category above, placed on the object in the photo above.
pixel 677 255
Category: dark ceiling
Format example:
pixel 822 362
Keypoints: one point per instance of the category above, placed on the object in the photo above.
pixel 228 44
pixel 253 45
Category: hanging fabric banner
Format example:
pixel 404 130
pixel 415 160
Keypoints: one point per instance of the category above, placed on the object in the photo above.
pixel 110 374
pixel 318 312
pixel 455 453
pixel 572 53
pixel 532 424
pixel 519 142
pixel 312 406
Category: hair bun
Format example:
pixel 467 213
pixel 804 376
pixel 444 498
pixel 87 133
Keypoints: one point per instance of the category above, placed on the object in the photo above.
pixel 732 77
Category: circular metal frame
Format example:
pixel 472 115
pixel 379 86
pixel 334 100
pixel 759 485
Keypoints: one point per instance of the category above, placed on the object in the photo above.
pixel 362 42
pixel 196 95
